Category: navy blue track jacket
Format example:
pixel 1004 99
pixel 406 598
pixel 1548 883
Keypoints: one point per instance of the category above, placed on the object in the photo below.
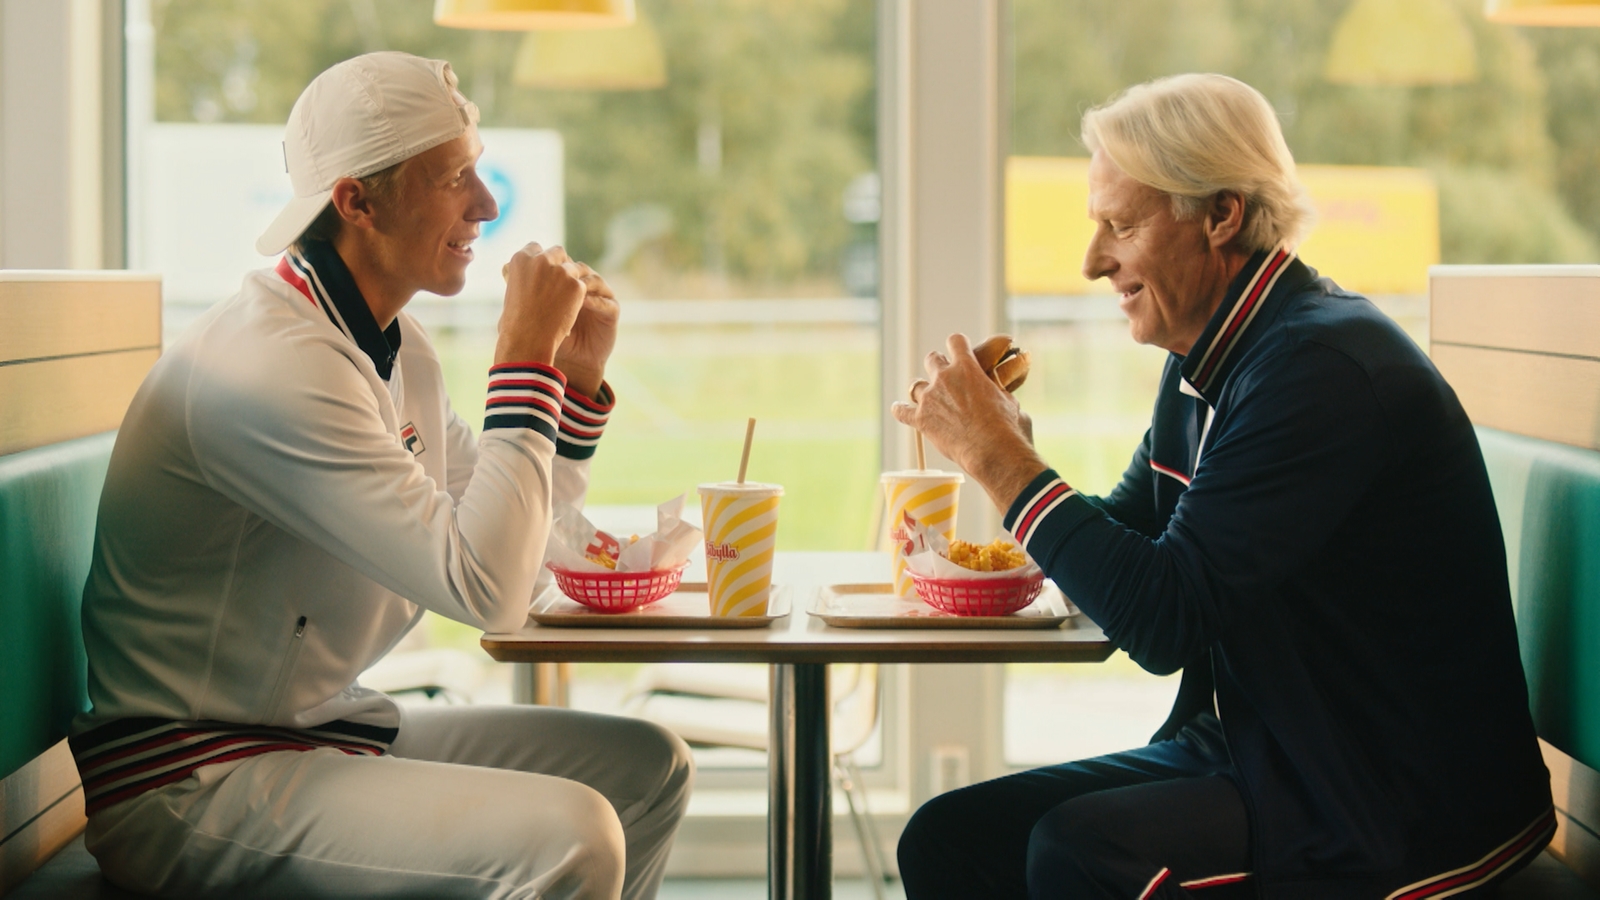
pixel 1327 537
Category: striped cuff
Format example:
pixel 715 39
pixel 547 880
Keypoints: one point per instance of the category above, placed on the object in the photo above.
pixel 525 395
pixel 1046 510
pixel 583 421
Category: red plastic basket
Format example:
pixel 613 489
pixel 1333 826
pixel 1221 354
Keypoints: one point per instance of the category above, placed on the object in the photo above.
pixel 978 596
pixel 618 591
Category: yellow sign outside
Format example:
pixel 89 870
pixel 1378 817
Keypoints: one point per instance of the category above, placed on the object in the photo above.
pixel 1377 229
pixel 1047 225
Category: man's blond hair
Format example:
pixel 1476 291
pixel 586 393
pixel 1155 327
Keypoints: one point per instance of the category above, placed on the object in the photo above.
pixel 1195 136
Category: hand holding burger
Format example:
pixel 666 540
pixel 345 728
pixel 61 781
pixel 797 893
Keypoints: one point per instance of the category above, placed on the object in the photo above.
pixel 979 428
pixel 998 357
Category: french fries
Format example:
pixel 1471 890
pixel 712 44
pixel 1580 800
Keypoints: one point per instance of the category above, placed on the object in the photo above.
pixel 994 557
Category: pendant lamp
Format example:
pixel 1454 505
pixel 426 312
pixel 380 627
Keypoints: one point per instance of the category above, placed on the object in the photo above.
pixel 1401 42
pixel 1543 12
pixel 612 59
pixel 529 15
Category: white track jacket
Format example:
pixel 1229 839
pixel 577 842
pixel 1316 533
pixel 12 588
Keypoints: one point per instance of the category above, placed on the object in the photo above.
pixel 288 494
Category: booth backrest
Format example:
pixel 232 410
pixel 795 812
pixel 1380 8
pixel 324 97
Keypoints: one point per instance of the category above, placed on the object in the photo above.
pixel 1521 347
pixel 1548 495
pixel 48 497
pixel 74 347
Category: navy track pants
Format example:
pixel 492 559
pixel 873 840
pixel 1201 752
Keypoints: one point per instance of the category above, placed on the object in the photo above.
pixel 1158 822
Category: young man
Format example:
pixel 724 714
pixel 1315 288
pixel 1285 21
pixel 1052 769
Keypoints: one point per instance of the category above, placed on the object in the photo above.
pixel 1307 530
pixel 290 491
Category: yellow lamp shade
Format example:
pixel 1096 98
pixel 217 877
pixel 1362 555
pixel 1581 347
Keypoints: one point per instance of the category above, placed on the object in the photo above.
pixel 529 15
pixel 613 59
pixel 1543 12
pixel 1401 42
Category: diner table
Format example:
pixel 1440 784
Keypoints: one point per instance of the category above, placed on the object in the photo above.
pixel 799 648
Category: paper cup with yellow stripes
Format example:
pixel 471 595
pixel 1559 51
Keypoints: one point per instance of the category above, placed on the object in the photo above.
pixel 927 496
pixel 741 527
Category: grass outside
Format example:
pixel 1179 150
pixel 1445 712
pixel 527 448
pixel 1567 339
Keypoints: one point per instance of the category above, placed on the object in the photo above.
pixel 683 395
pixel 1090 390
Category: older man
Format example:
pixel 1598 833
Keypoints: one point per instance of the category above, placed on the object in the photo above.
pixel 1307 530
pixel 291 491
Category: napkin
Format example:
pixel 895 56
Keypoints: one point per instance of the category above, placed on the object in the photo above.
pixel 573 537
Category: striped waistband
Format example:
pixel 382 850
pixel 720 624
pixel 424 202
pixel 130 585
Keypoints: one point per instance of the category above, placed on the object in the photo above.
pixel 126 757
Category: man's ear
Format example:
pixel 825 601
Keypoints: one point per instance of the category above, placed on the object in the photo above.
pixel 1225 219
pixel 354 202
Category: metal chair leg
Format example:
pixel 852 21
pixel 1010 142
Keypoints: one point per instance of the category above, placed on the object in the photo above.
pixel 872 839
pixel 866 816
pixel 849 776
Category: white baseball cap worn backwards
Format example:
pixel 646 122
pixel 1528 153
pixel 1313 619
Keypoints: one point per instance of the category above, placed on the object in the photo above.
pixel 359 117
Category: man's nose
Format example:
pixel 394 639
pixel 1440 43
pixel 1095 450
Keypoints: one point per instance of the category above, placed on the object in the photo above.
pixel 483 208
pixel 1095 263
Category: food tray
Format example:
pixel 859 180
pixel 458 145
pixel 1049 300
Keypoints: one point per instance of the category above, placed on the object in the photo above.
pixel 876 606
pixel 687 607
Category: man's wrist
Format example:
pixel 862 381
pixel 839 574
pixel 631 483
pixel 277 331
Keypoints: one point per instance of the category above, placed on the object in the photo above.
pixel 1006 471
pixel 583 382
pixel 507 350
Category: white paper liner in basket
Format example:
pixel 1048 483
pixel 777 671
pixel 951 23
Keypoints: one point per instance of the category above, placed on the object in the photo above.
pixel 572 537
pixel 930 558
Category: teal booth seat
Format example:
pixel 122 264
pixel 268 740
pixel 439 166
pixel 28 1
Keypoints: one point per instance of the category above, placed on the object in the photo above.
pixel 48 499
pixel 1548 496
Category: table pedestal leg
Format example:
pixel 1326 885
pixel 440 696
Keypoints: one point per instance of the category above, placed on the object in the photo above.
pixel 800 785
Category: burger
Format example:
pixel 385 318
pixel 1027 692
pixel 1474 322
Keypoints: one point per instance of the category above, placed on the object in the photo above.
pixel 1003 361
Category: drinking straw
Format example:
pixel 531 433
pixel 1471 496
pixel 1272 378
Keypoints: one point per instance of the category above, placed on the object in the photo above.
pixel 744 458
pixel 922 457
